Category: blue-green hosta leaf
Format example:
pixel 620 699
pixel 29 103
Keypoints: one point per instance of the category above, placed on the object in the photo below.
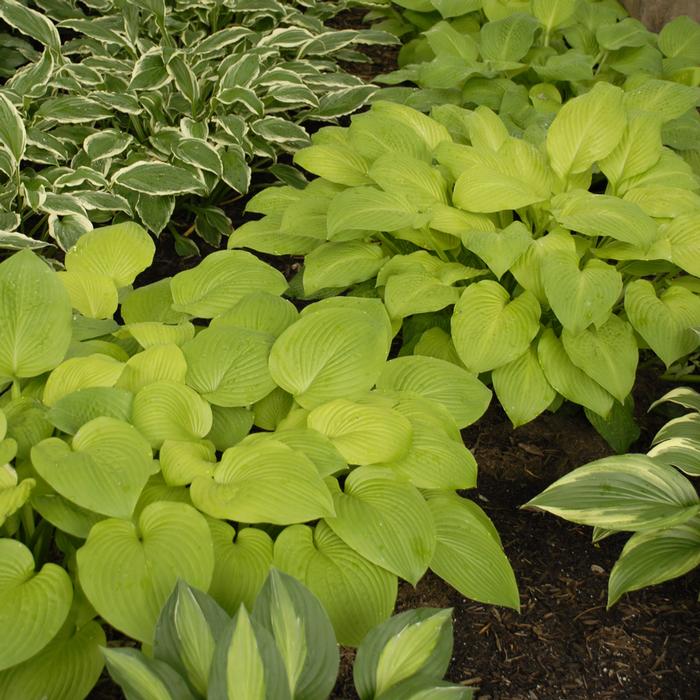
pixel 35 316
pixel 120 252
pixel 341 265
pixel 499 249
pixel 666 99
pixel 303 634
pixel 71 412
pixel 415 643
pixel 259 311
pixel 680 37
pixel 462 394
pixel 247 663
pixel 570 381
pixel 649 558
pixel 627 492
pixel 221 280
pixel 356 594
pixel 105 471
pixel 586 130
pixel 181 462
pixel 170 411
pixel 336 162
pixel 127 571
pixel 32 605
pixel 522 388
pixel 330 353
pixel 93 294
pixel 155 364
pixel 580 297
pixel 665 322
pixel 684 237
pixel 81 373
pixel 241 563
pixel 386 520
pixel 490 330
pixel 228 366
pixel 608 354
pixel 266 482
pixel 156 178
pixel 66 669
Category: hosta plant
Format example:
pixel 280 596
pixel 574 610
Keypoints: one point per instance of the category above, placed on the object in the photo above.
pixel 158 111
pixel 647 495
pixel 284 648
pixel 540 267
pixel 211 433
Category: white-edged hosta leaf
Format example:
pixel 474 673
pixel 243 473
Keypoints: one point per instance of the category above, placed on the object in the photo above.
pixel 266 482
pixel 259 311
pixel 386 520
pixel 665 322
pixel 128 570
pixel 81 373
pixel 156 178
pixel 490 330
pixel 13 137
pixel 328 354
pixel 241 563
pixel 629 492
pixel 104 470
pixel 649 558
pixel 156 363
pixel 120 252
pixel 181 461
pixel 608 354
pixel 199 153
pixel 586 130
pixel 683 396
pixel 31 23
pixel 677 444
pixel 460 392
pixel 468 555
pixel 363 434
pixel 35 317
pixel 72 411
pixel 570 381
pixel 522 388
pixel 106 143
pixel 221 280
pixel 341 264
pixel 32 605
pixel 170 411
pixel 356 594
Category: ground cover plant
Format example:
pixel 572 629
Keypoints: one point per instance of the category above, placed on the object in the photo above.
pixel 158 111
pixel 542 268
pixel 284 648
pixel 643 494
pixel 211 433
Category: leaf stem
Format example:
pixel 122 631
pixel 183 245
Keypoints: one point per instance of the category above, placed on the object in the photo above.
pixel 681 378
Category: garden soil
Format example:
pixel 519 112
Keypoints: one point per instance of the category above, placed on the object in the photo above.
pixel 563 643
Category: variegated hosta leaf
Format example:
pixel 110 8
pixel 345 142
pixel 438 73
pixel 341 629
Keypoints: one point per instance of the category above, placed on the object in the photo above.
pixel 221 280
pixel 266 482
pixel 678 444
pixel 356 594
pixel 128 570
pixel 468 554
pixel 683 396
pixel 462 394
pixel 386 520
pixel 412 643
pixel 104 471
pixel 490 330
pixel 627 492
pixel 33 605
pixel 653 557
pixel 156 178
pixel 77 373
pixel 303 634
pixel 35 315
pixel 241 563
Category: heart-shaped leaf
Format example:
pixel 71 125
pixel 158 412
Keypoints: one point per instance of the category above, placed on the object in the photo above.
pixel 156 363
pixel 71 412
pixel 81 373
pixel 499 249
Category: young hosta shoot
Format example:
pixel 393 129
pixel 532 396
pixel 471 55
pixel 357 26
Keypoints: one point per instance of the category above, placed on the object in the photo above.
pixel 285 649
pixel 642 494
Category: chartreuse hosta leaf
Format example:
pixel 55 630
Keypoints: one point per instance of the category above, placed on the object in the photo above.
pixel 181 461
pixel 35 315
pixel 259 311
pixel 241 563
pixel 152 302
pixel 127 570
pixel 156 363
pixel 303 635
pixel 412 643
pixel 33 605
pixel 105 469
pixel 220 281
pixel 356 593
pixel 386 520
pixel 81 373
pixel 229 426
pixel 490 330
pixel 13 495
pixel 71 412
pixel 93 294
pixel 499 249
pixel 652 557
pixel 266 482
pixel 629 492
pixel 341 264
pixel 468 554
pixel 228 366
pixel 462 394
pixel 150 333
pixel 328 354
